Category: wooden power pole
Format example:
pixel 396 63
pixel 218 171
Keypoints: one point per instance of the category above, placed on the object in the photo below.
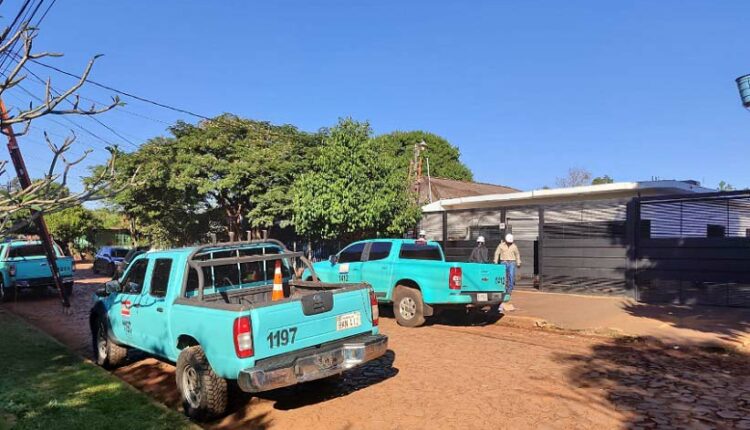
pixel 25 181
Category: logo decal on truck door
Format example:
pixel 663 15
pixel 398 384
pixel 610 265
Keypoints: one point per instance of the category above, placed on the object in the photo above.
pixel 125 309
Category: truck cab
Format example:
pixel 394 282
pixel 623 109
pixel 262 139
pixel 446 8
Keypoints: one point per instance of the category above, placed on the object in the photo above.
pixel 414 277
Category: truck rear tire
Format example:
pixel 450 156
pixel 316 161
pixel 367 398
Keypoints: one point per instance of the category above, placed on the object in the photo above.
pixel 408 306
pixel 204 393
pixel 106 353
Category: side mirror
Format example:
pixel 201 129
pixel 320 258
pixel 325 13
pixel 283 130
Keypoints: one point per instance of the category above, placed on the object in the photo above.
pixel 112 287
pixel 333 259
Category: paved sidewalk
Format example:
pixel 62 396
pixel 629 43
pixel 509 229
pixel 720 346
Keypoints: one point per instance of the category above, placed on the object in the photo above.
pixel 669 323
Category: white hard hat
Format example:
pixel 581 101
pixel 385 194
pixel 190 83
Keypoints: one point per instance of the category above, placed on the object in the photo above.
pixel 422 233
pixel 480 239
pixel 509 238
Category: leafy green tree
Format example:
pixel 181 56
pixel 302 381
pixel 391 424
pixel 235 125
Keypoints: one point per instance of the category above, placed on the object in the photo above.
pixel 357 188
pixel 602 180
pixel 70 224
pixel 724 186
pixel 444 158
pixel 244 168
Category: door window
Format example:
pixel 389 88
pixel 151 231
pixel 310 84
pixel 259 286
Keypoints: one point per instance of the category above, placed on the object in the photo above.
pixel 160 277
pixel 352 253
pixel 379 251
pixel 133 282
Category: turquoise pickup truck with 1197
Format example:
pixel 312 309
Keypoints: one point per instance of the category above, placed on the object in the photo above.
pixel 234 312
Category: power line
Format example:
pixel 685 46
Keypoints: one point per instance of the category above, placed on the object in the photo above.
pixel 125 93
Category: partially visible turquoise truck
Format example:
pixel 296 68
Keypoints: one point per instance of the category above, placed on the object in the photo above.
pixel 23 264
pixel 414 276
pixel 234 313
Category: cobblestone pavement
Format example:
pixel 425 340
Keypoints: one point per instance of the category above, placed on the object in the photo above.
pixel 449 375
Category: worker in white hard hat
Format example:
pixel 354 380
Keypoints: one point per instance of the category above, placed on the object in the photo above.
pixel 479 253
pixel 508 255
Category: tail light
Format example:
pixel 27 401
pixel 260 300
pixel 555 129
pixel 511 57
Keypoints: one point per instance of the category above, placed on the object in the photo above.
pixel 454 278
pixel 243 337
pixel 12 270
pixel 375 310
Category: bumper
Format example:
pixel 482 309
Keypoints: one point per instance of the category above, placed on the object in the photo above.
pixel 40 282
pixel 312 364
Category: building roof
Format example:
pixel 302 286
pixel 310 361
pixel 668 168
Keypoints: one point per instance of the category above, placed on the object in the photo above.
pixel 443 188
pixel 562 195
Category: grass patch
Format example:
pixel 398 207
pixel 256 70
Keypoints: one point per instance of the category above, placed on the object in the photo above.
pixel 45 386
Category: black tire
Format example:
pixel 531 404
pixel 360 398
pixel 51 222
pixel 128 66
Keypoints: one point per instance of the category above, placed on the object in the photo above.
pixel 204 393
pixel 94 269
pixel 111 269
pixel 2 292
pixel 493 315
pixel 408 306
pixel 106 353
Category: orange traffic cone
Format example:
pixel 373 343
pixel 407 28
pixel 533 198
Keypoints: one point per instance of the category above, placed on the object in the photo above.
pixel 278 287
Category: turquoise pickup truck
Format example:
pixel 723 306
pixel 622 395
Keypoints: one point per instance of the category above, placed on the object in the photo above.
pixel 414 276
pixel 234 312
pixel 23 264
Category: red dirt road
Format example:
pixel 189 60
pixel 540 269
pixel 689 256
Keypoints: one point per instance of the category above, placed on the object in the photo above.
pixel 452 376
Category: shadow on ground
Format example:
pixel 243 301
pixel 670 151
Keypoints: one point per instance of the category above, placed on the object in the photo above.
pixel 666 387
pixel 730 324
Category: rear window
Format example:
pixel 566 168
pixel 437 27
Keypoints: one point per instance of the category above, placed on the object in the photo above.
pixel 413 251
pixel 119 252
pixel 26 251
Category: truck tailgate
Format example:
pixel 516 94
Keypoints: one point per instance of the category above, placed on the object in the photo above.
pixel 317 318
pixel 483 277
pixel 37 267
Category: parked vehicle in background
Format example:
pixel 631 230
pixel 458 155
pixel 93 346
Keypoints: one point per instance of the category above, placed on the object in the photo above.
pixel 120 266
pixel 107 258
pixel 23 264
pixel 414 276
pixel 234 312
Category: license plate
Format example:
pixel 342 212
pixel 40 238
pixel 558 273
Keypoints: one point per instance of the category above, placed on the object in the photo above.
pixel 482 297
pixel 347 321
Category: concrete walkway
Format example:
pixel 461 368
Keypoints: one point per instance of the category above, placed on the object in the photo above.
pixel 668 323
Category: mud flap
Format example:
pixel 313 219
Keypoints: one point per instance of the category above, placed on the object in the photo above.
pixel 427 310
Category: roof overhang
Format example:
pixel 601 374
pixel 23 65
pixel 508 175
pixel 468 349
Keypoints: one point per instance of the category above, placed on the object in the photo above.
pixel 562 195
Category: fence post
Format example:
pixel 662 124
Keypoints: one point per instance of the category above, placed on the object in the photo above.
pixel 632 232
pixel 540 247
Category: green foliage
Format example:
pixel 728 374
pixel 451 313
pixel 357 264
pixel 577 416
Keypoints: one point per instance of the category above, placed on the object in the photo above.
pixel 109 218
pixel 357 188
pixel 72 223
pixel 602 180
pixel 45 386
pixel 724 186
pixel 444 158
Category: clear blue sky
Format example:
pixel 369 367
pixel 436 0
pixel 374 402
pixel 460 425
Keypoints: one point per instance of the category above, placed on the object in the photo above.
pixel 525 89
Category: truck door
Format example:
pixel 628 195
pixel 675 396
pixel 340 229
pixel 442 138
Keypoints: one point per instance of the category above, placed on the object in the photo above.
pixel 153 329
pixel 349 264
pixel 124 309
pixel 377 269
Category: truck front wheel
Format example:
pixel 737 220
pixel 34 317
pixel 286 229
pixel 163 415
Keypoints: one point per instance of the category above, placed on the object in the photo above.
pixel 107 353
pixel 204 393
pixel 408 306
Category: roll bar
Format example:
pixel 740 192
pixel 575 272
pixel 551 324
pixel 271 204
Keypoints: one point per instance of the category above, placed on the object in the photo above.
pixel 200 264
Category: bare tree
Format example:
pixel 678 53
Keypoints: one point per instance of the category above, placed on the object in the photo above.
pixel 576 177
pixel 48 194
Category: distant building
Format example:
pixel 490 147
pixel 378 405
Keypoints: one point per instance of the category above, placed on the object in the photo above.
pixel 656 241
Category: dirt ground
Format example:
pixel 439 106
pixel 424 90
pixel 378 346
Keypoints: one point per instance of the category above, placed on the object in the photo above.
pixel 449 375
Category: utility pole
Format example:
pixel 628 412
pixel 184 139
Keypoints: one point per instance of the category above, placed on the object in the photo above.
pixel 25 181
